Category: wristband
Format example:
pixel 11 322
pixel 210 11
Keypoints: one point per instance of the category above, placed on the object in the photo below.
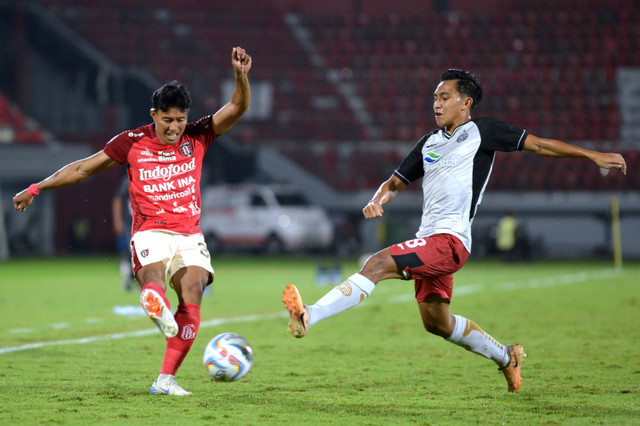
pixel 33 190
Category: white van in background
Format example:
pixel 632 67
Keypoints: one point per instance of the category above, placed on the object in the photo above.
pixel 272 218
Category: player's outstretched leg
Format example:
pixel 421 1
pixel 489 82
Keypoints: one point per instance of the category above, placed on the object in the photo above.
pixel 166 384
pixel 298 315
pixel 158 310
pixel 340 298
pixel 512 370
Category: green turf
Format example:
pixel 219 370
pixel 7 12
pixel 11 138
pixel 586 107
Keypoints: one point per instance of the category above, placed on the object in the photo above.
pixel 578 322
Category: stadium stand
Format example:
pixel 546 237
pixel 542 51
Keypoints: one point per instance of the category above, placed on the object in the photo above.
pixel 191 42
pixel 16 127
pixel 561 62
pixel 365 71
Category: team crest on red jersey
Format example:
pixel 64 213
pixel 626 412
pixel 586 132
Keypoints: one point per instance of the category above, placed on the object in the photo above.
pixel 186 149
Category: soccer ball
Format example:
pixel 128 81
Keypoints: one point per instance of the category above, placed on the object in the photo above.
pixel 228 357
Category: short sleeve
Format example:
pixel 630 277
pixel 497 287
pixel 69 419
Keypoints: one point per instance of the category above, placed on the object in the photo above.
pixel 202 130
pixel 500 136
pixel 411 168
pixel 118 148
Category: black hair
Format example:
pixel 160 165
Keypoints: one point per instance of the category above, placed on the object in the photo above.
pixel 172 94
pixel 468 84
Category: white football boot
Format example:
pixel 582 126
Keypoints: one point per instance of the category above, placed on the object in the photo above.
pixel 168 387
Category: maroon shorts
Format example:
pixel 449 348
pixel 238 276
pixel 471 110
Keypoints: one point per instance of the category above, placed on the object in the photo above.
pixel 431 262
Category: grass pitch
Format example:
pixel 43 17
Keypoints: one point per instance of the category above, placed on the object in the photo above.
pixel 67 358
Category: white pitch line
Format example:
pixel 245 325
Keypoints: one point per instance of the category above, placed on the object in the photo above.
pixel 60 325
pixel 557 280
pixel 145 332
pixel 532 283
pixel 21 330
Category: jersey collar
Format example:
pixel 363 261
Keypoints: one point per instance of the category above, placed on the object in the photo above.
pixel 447 136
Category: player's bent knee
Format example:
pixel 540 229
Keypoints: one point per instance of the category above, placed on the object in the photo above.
pixel 380 266
pixel 437 330
pixel 196 286
pixel 437 325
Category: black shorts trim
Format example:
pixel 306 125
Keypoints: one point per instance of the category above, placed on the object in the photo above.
pixel 409 260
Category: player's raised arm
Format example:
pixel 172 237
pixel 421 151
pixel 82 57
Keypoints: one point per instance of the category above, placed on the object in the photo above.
pixel 555 148
pixel 227 116
pixel 385 194
pixel 68 175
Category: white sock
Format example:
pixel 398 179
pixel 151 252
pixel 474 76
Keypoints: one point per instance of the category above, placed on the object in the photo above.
pixel 467 334
pixel 347 295
pixel 164 377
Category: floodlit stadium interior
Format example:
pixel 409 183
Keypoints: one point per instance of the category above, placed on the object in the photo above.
pixel 342 90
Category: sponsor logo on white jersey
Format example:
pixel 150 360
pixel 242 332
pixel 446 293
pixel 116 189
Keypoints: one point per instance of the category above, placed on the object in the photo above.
pixel 432 157
pixel 435 160
pixel 442 163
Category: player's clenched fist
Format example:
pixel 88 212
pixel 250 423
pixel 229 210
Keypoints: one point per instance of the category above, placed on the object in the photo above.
pixel 241 60
pixel 22 200
pixel 372 210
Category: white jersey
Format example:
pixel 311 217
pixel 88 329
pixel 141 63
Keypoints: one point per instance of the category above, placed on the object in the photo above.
pixel 455 170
